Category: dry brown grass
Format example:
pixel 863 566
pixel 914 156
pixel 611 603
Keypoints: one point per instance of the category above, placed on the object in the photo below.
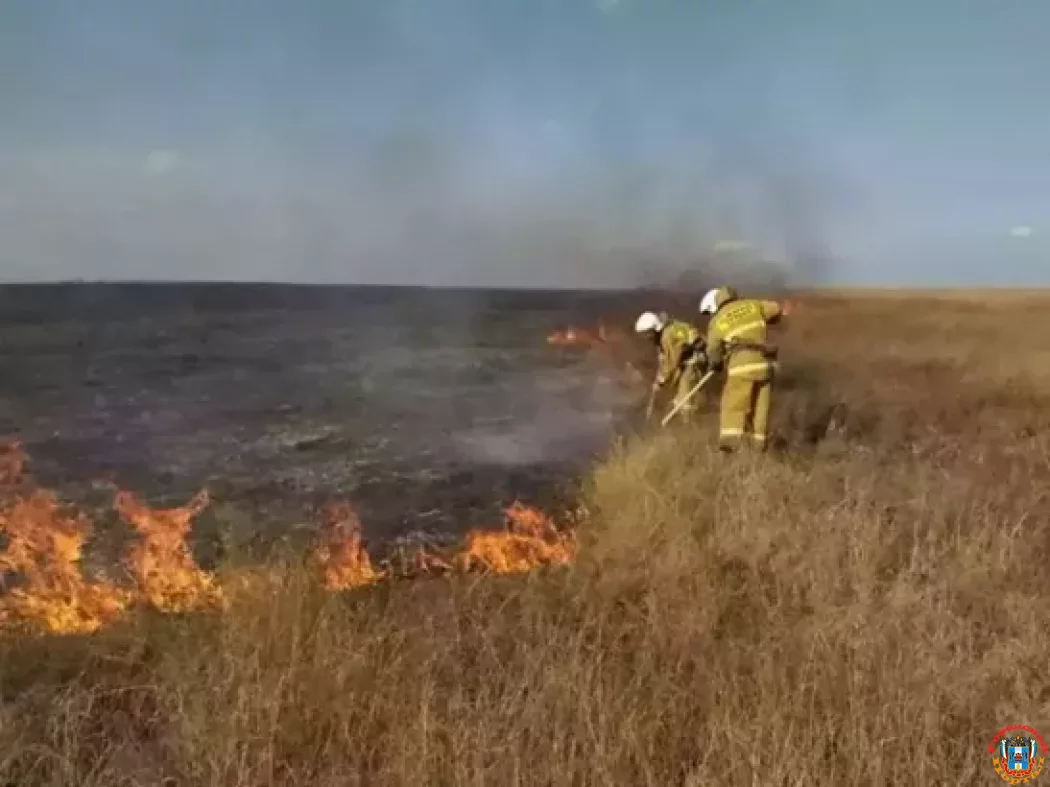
pixel 970 294
pixel 866 608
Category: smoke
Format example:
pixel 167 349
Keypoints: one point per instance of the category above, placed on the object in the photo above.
pixel 572 413
pixel 400 143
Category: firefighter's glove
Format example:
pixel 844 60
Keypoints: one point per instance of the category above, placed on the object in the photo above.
pixel 715 366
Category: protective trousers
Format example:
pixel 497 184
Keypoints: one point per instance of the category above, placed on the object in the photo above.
pixel 687 380
pixel 745 411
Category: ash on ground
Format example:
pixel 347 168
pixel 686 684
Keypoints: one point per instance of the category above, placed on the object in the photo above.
pixel 428 410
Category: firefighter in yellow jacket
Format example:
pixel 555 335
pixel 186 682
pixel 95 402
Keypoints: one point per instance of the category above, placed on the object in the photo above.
pixel 681 355
pixel 737 342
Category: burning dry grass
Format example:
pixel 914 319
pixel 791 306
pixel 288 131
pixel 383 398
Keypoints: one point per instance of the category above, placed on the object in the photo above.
pixel 583 337
pixel 530 540
pixel 45 544
pixel 611 343
pixel 44 548
pixel 867 612
pixel 160 561
pixel 342 559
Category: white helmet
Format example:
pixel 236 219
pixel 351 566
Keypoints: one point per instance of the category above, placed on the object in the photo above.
pixel 709 303
pixel 648 321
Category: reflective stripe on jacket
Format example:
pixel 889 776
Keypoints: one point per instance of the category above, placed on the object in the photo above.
pixel 737 335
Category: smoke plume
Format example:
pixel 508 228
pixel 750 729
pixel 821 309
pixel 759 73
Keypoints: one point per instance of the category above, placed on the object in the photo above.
pixel 452 144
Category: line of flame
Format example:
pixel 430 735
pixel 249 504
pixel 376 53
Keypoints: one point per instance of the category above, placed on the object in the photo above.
pixel 45 544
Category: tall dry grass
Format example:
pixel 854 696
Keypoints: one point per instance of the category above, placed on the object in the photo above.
pixel 867 606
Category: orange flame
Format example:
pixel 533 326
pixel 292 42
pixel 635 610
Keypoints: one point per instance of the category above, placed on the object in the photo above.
pixel 573 336
pixel 341 555
pixel 45 547
pixel 160 561
pixel 530 540
pixel 607 340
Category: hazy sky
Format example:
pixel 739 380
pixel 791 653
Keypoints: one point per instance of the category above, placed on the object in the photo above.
pixel 522 141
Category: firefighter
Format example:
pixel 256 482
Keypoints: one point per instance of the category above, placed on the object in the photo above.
pixel 736 341
pixel 681 359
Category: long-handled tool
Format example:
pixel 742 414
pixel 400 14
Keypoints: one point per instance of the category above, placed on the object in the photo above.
pixel 652 403
pixel 681 402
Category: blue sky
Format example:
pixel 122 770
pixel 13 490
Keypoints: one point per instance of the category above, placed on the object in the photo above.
pixel 513 142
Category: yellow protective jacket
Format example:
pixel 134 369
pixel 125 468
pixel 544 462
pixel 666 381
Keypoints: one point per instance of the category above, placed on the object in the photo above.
pixel 679 342
pixel 737 338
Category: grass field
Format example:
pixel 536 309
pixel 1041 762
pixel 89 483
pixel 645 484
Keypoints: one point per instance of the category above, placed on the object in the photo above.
pixel 865 606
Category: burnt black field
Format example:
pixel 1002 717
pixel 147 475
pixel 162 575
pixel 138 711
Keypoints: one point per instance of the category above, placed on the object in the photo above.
pixel 429 409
